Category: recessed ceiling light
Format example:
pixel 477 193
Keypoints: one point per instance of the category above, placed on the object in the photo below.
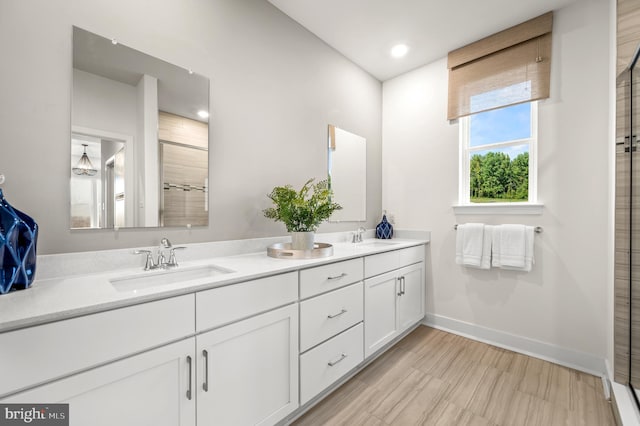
pixel 399 50
pixel 203 114
pixel 114 41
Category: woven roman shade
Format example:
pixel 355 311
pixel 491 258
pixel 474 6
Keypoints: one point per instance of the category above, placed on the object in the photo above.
pixel 507 68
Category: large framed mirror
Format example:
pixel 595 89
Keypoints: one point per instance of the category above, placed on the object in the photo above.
pixel 347 170
pixel 139 139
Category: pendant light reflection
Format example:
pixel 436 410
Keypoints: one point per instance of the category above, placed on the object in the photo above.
pixel 84 166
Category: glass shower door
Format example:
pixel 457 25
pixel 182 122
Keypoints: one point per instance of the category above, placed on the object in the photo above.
pixel 631 150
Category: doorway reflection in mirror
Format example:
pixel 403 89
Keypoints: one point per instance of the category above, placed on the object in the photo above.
pixel 97 200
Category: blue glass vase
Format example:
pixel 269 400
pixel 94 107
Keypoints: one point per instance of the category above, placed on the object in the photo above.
pixel 384 230
pixel 18 238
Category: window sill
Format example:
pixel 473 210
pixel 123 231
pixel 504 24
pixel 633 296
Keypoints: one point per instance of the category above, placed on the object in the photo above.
pixel 499 208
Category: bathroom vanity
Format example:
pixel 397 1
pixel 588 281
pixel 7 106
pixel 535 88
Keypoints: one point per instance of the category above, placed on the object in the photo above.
pixel 233 340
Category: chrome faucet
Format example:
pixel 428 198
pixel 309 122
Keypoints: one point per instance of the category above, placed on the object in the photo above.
pixel 149 264
pixel 172 257
pixel 357 236
pixel 162 262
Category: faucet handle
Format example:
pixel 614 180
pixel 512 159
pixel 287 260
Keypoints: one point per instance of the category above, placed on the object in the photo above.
pixel 172 255
pixel 149 261
pixel 162 261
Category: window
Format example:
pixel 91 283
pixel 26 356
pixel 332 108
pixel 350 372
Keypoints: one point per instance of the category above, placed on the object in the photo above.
pixel 498 155
pixel 494 84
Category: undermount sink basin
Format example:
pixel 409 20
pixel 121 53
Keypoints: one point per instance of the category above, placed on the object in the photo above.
pixel 374 244
pixel 159 278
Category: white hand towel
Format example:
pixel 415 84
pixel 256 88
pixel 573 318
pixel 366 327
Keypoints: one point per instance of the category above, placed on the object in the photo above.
pixel 529 248
pixel 512 246
pixel 470 244
pixel 504 260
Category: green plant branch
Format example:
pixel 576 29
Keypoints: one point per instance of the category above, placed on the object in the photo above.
pixel 304 210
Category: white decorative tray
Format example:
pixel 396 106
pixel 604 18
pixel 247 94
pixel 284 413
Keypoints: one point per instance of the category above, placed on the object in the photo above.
pixel 284 251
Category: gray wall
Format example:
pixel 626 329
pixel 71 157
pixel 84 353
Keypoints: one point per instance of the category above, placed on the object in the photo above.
pixel 274 89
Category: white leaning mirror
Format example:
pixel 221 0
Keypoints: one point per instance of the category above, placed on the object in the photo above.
pixel 347 169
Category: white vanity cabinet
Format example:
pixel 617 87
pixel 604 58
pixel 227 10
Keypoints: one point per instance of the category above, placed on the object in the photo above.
pixel 151 388
pixel 247 370
pixel 411 301
pixel 393 295
pixel 113 367
pixel 225 356
pixel 256 352
pixel 331 331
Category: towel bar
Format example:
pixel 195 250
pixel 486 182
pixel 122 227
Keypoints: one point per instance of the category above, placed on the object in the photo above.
pixel 537 229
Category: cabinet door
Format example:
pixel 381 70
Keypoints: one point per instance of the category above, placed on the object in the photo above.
pixel 146 389
pixel 248 371
pixel 411 300
pixel 379 311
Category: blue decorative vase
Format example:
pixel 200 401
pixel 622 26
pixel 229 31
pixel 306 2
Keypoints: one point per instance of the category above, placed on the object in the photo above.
pixel 18 238
pixel 384 230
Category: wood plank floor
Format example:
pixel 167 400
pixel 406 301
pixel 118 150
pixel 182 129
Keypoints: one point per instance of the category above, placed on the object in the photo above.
pixel 436 378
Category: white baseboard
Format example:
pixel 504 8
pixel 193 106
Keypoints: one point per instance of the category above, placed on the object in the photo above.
pixel 549 352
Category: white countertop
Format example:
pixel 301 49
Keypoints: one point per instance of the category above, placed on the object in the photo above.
pixel 59 298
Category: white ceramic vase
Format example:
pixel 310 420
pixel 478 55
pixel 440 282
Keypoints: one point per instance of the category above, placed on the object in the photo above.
pixel 302 240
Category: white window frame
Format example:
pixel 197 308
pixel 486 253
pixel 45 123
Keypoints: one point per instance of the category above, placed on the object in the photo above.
pixel 531 206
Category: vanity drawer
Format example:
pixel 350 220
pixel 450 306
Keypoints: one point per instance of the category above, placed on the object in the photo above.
pixel 223 305
pixel 384 262
pixel 329 277
pixel 410 255
pixel 325 316
pixel 323 365
pixel 37 354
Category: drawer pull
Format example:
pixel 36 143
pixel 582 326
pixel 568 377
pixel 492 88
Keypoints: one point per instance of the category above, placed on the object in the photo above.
pixel 189 390
pixel 205 385
pixel 401 281
pixel 332 363
pixel 343 311
pixel 337 277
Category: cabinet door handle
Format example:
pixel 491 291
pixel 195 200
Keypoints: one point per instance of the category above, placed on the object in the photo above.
pixel 399 286
pixel 205 385
pixel 332 363
pixel 337 277
pixel 402 285
pixel 189 389
pixel 343 311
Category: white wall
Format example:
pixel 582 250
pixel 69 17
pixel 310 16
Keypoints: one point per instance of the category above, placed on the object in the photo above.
pixel 274 89
pixel 103 104
pixel 563 300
